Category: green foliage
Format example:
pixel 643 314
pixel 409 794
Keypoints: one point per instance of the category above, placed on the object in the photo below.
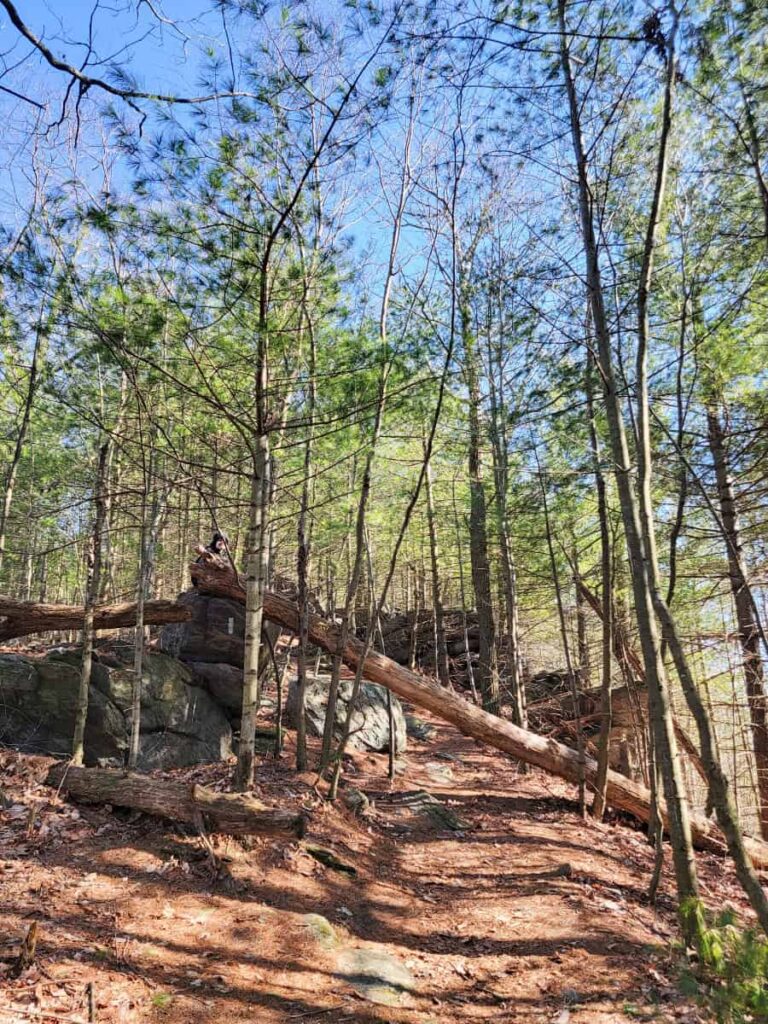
pixel 162 1000
pixel 731 976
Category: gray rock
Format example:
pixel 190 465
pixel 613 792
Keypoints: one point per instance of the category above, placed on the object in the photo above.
pixel 418 729
pixel 223 682
pixel 321 930
pixel 376 976
pixel 356 801
pixel 215 633
pixel 181 724
pixel 370 720
pixel 38 705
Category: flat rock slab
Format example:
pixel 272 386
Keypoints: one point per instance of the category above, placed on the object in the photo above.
pixel 372 973
pixel 439 772
pixel 420 809
pixel 376 976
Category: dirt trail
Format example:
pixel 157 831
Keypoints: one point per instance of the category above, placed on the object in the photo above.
pixel 524 914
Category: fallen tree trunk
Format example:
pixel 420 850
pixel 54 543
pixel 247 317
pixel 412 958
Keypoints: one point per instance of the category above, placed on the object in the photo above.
pixel 196 805
pixel 622 793
pixel 20 618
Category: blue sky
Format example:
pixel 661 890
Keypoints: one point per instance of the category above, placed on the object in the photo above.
pixel 154 51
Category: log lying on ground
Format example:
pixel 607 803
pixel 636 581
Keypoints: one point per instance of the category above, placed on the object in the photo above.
pixel 623 794
pixel 196 805
pixel 20 618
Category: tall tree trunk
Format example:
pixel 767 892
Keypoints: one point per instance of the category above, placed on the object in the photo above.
pixel 150 530
pixel 746 614
pixel 463 595
pixel 139 635
pixel 575 697
pixel 441 648
pixel 582 639
pixel 21 437
pixel 114 469
pixel 514 667
pixel 606 578
pixel 719 786
pixel 660 711
pixel 256 568
pixel 93 579
pixel 303 558
pixel 487 676
pixel 398 213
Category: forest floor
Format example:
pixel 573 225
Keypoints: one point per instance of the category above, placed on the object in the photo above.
pixel 519 913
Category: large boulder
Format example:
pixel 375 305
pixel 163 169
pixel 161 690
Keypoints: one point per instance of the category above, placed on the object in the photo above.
pixel 223 682
pixel 215 633
pixel 180 723
pixel 370 719
pixel 212 643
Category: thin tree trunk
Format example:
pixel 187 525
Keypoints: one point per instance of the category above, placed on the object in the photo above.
pixel 582 641
pixel 21 437
pixel 606 577
pixel 139 639
pixel 404 191
pixel 719 786
pixel 679 820
pixel 441 648
pixel 113 478
pixel 257 556
pixel 93 579
pixel 303 560
pixel 487 670
pixel 575 697
pixel 463 595
pixel 746 617
pixel 150 529
pixel 514 674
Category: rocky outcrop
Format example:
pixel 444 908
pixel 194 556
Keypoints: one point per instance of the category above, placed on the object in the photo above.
pixel 223 682
pixel 370 720
pixel 214 635
pixel 180 722
pixel 212 644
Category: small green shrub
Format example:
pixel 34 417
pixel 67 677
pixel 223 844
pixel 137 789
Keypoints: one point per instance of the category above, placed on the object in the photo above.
pixel 731 976
pixel 162 1000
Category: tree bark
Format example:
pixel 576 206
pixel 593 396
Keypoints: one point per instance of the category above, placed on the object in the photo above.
pixel 21 437
pixel 20 618
pixel 509 603
pixel 177 801
pixel 487 670
pixel 441 648
pixel 557 758
pixel 564 638
pixel 257 557
pixel 749 627
pixel 304 554
pixel 93 582
pixel 633 517
pixel 606 606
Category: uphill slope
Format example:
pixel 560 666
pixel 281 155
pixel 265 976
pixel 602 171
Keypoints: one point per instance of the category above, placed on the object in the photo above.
pixel 503 907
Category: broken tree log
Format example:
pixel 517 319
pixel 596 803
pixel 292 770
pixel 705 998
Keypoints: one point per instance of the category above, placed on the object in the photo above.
pixel 20 618
pixel 233 813
pixel 623 794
